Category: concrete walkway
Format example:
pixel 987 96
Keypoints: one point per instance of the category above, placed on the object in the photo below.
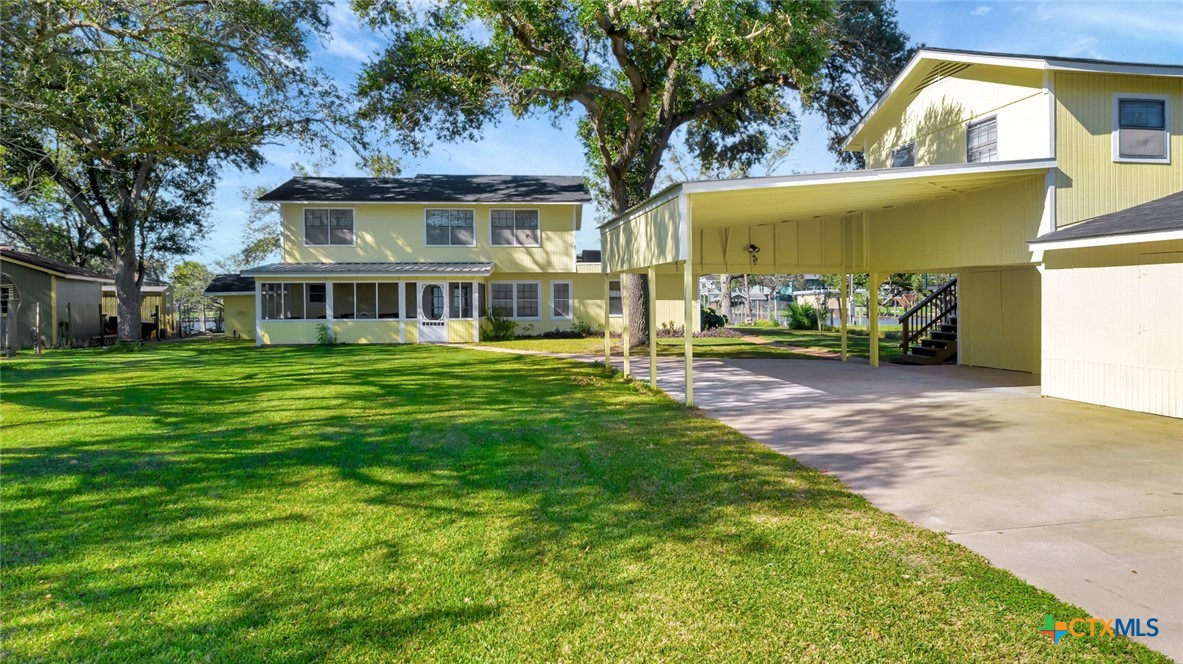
pixel 1083 501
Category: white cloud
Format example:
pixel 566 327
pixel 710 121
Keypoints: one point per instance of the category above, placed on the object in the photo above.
pixel 1163 24
pixel 348 37
pixel 1084 46
pixel 981 10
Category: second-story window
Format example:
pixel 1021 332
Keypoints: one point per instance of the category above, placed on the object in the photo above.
pixel 328 226
pixel 981 141
pixel 1141 131
pixel 905 155
pixel 450 228
pixel 514 227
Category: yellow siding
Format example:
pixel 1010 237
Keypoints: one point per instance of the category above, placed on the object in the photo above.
pixel 647 239
pixel 397 232
pixel 998 319
pixel 461 331
pixel 1090 183
pixel 935 117
pixel 366 331
pixel 1112 320
pixel 990 227
pixel 289 332
pixel 238 314
pixel 812 245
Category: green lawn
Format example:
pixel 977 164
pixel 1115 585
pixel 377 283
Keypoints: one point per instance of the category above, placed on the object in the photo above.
pixel 721 348
pixel 218 501
pixel 858 345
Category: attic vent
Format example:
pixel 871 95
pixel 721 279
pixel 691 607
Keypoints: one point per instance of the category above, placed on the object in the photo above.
pixel 941 71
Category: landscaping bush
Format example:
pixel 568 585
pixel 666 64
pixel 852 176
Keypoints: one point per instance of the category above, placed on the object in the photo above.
pixel 802 316
pixel 324 336
pixel 671 331
pixel 765 322
pixel 498 327
pixel 585 329
pixel 711 319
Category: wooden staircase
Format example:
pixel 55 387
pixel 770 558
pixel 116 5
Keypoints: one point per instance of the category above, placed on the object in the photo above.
pixel 930 328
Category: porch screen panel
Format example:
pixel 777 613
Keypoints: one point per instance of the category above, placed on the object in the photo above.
pixel 367 300
pixel 343 301
pixel 387 300
pixel 410 294
pixel 314 306
pixel 293 301
pixel 461 299
pixel 272 303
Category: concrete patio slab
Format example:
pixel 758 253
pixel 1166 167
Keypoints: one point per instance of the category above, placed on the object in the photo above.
pixel 1083 501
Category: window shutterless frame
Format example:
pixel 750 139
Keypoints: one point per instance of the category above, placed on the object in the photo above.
pixel 427 213
pixel 515 243
pixel 904 155
pixel 515 285
pixel 328 228
pixel 981 140
pixel 569 300
pixel 1165 100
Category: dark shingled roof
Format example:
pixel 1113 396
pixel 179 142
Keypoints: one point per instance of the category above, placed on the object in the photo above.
pixel 435 189
pixel 230 283
pixel 1161 214
pixel 280 269
pixel 51 265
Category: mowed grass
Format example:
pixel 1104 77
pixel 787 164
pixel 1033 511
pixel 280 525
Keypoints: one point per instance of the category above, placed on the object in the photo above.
pixel 857 345
pixel 218 501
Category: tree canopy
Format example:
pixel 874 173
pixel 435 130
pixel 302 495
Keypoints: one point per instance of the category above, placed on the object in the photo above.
pixel 131 108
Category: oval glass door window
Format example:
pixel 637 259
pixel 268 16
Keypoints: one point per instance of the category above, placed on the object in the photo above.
pixel 433 302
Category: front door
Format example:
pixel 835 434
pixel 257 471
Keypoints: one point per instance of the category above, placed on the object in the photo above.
pixel 433 314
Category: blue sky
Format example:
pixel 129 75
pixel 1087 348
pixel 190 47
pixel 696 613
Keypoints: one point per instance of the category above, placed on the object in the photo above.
pixel 1129 31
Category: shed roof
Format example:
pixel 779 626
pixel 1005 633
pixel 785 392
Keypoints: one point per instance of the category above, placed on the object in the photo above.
pixel 1139 222
pixel 435 189
pixel 57 268
pixel 224 284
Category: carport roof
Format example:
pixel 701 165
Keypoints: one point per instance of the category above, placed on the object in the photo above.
pixel 814 195
pixel 371 269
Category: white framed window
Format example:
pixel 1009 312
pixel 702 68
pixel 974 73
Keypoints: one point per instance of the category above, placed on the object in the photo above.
pixel 981 141
pixel 560 299
pixel 328 226
pixel 904 155
pixel 451 227
pixel 516 299
pixel 615 307
pixel 1141 128
pixel 514 228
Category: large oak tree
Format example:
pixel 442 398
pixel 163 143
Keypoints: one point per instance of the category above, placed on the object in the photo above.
pixel 131 108
pixel 720 76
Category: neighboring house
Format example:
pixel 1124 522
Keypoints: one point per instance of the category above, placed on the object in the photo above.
pixel 157 314
pixel 238 304
pixel 67 300
pixel 423 259
pixel 1050 187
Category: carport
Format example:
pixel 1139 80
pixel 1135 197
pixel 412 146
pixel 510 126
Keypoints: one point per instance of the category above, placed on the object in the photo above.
pixel 971 219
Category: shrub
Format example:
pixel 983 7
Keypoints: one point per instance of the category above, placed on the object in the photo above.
pixel 711 319
pixel 585 329
pixel 765 322
pixel 324 335
pixel 802 316
pixel 498 327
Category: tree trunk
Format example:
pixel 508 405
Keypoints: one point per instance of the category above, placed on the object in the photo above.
pixel 127 293
pixel 638 309
pixel 725 296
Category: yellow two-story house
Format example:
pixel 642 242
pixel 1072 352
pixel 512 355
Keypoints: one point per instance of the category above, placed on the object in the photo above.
pixel 423 260
pixel 1052 187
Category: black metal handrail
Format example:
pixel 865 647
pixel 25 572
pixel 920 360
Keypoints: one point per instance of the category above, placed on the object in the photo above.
pixel 928 313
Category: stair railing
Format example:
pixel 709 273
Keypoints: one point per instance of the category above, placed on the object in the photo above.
pixel 926 314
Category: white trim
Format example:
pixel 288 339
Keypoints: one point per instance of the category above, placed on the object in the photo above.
pixel 570 300
pixel 1107 240
pixel 258 313
pixel 228 293
pixel 1001 60
pixel 329 228
pixel 476 311
pixel 354 276
pixel 1118 97
pixel 515 282
pixel 449 209
pixel 436 203
pixel 515 227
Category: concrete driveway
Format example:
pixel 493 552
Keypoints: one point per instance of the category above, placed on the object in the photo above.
pixel 1083 501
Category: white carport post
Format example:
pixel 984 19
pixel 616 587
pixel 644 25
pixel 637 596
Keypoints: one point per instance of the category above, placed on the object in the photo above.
pixel 686 229
pixel 607 319
pixel 652 327
pixel 842 305
pixel 873 315
pixel 624 317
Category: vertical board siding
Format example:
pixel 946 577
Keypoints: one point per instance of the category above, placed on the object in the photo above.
pixel 998 319
pixel 649 238
pixel 238 315
pixel 85 309
pixel 34 287
pixel 1090 183
pixel 1112 324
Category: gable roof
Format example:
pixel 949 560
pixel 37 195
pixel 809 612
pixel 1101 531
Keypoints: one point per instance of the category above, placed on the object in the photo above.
pixel 56 268
pixel 930 65
pixel 1133 224
pixel 434 189
pixel 224 284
